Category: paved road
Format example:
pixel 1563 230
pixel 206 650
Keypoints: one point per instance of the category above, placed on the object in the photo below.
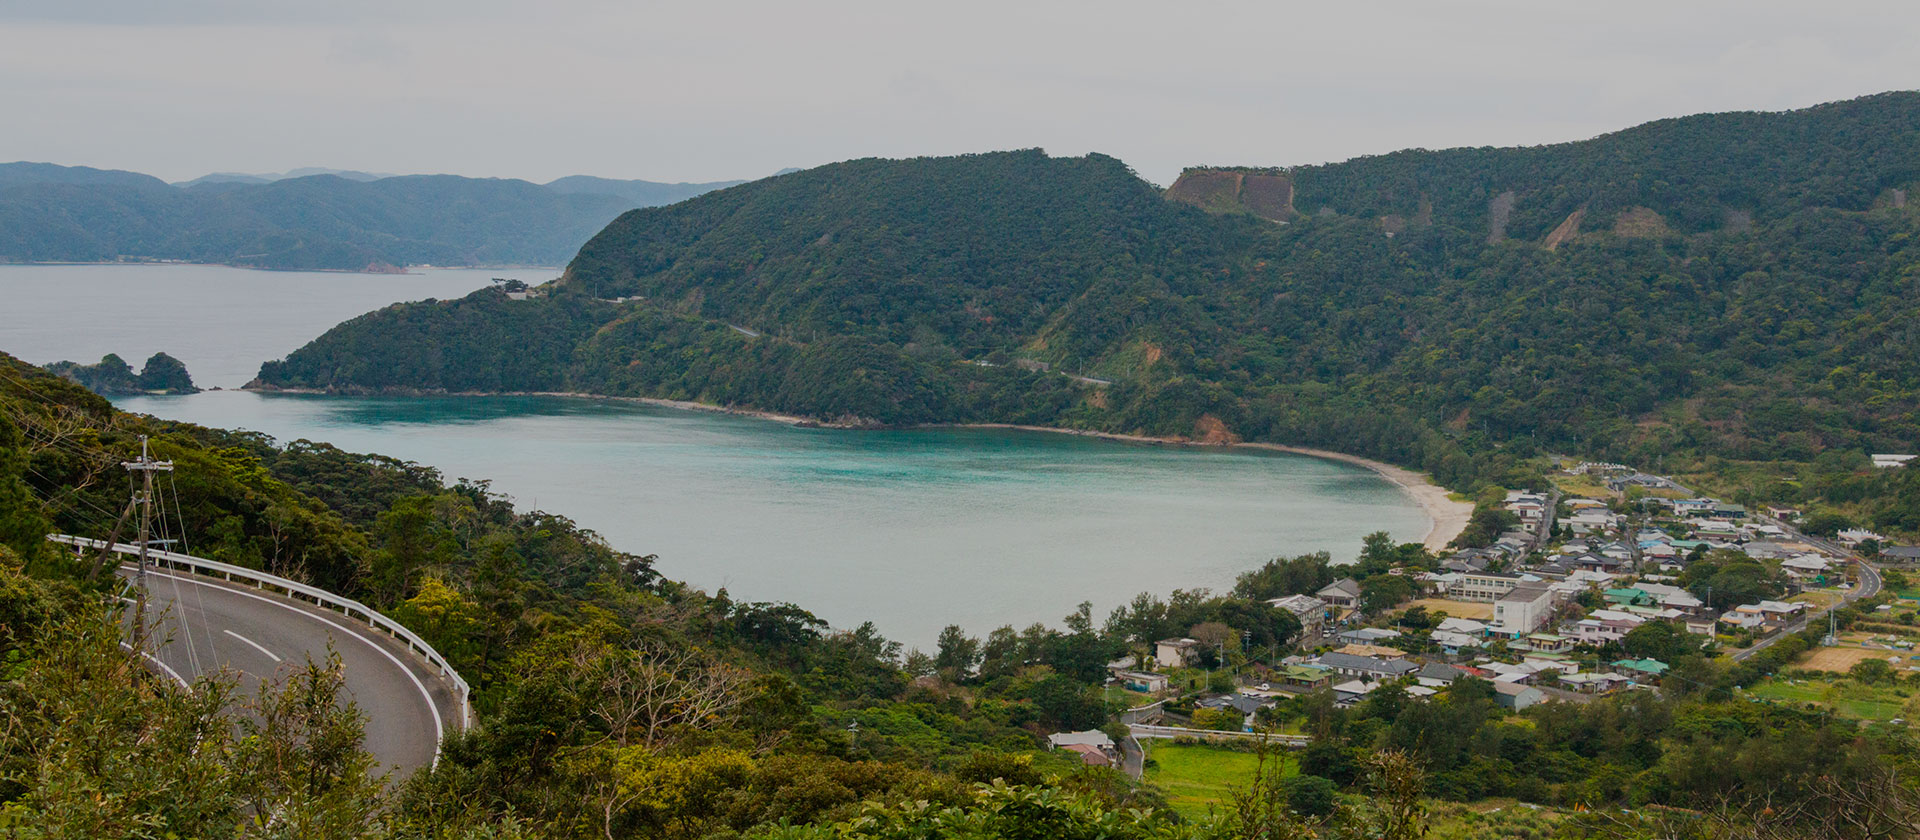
pixel 206 625
pixel 1869 586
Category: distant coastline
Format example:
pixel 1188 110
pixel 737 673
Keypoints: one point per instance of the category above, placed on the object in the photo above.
pixel 1448 516
pixel 406 270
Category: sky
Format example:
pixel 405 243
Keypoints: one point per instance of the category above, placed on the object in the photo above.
pixel 722 89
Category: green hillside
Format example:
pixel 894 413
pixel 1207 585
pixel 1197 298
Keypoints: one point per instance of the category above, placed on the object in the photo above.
pixel 1731 285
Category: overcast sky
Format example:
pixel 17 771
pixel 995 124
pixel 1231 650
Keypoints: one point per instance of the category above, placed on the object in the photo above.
pixel 716 90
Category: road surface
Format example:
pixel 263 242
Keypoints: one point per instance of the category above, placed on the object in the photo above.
pixel 1868 586
pixel 203 626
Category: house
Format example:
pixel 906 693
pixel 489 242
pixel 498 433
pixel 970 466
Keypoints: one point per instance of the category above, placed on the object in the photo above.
pixel 1727 512
pixel 1544 643
pixel 1143 681
pixel 1641 667
pixel 1628 597
pixel 1522 610
pixel 1855 536
pixel 1311 611
pixel 1530 507
pixel 1594 683
pixel 1463 625
pixel 1595 631
pixel 1901 554
pixel 1452 642
pixel 1438 583
pixel 1650 482
pixel 1438 674
pixel 1517 696
pixel 1598 563
pixel 1367 635
pixel 1781 611
pixel 1365 667
pixel 1888 462
pixel 1094 747
pixel 1375 651
pixel 1671 596
pixel 1301 679
pixel 1176 653
pixel 1590 522
pixel 1346 694
pixel 1617 551
pixel 1344 592
pixel 1804 566
pixel 1692 507
pixel 1701 624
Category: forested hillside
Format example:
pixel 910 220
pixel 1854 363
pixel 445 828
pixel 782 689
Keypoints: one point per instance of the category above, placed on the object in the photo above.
pixel 77 214
pixel 613 703
pixel 1733 285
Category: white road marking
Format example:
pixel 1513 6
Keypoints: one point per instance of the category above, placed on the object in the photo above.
pixel 163 666
pixel 439 731
pixel 256 645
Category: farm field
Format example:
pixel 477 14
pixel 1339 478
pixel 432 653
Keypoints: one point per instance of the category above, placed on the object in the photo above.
pixel 1846 697
pixel 1197 777
pixel 1838 659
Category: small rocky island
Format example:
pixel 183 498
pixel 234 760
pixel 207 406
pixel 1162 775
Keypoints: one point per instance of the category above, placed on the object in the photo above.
pixel 112 376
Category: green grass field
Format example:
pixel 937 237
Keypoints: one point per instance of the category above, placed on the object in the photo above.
pixel 1196 777
pixel 1849 699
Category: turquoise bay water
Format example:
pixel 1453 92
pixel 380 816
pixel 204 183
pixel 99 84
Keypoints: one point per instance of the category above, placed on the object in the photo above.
pixel 911 529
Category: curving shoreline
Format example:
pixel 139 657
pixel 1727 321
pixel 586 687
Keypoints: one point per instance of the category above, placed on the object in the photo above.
pixel 1448 516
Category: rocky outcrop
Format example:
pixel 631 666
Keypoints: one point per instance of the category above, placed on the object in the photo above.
pixel 1267 194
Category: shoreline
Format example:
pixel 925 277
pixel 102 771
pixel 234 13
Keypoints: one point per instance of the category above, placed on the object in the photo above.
pixel 1448 517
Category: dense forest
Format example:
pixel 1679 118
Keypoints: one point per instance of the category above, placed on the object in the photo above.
pixel 77 214
pixel 1729 287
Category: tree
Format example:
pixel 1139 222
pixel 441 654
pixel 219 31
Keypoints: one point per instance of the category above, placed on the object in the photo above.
pixel 652 695
pixel 957 653
pixel 1661 640
pixel 1225 720
pixel 1872 671
pixel 1383 592
pixel 1309 795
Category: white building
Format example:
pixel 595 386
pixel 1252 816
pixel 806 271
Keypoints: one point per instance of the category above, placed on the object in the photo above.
pixel 1891 461
pixel 1522 610
pixel 1175 653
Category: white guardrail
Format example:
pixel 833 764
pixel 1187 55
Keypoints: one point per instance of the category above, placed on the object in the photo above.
pixel 1141 730
pixel 297 591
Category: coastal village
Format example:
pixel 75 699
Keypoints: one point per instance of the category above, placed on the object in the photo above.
pixel 1573 601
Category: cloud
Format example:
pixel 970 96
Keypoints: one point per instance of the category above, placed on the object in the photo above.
pixel 730 88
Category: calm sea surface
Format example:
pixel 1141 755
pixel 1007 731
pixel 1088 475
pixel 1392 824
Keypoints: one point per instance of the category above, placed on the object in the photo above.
pixel 911 529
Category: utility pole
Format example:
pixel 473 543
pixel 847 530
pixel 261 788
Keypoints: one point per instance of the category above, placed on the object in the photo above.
pixel 143 498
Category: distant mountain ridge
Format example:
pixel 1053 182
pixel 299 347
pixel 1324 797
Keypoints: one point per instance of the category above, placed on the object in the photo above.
pixel 309 219
pixel 270 177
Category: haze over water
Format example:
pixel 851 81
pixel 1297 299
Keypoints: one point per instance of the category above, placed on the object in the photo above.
pixel 911 529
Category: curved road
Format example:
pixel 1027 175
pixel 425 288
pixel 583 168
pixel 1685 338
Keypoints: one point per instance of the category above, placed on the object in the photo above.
pixel 1869 586
pixel 202 626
